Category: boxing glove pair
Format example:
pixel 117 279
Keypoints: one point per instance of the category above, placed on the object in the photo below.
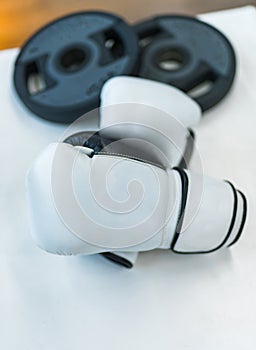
pixel 116 192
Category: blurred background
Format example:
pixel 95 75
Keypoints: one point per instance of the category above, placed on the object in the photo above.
pixel 19 19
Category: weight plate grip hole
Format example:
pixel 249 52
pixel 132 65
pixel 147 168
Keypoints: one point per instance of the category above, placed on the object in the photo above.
pixel 34 79
pixel 201 89
pixel 149 35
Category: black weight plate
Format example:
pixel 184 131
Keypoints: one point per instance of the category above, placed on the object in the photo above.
pixel 189 54
pixel 61 69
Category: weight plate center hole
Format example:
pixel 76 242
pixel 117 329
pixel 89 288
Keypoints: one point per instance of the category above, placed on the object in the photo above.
pixel 73 60
pixel 170 60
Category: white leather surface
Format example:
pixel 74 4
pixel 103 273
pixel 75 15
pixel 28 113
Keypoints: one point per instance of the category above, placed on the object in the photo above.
pixel 81 214
pixel 172 101
pixel 134 103
pixel 167 300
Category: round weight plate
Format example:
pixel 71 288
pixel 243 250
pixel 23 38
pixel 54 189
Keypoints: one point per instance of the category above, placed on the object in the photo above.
pixel 61 69
pixel 189 54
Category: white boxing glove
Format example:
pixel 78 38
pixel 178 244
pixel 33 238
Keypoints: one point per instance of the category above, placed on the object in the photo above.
pixel 151 122
pixel 81 204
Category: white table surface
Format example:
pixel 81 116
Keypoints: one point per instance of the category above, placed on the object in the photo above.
pixel 167 301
